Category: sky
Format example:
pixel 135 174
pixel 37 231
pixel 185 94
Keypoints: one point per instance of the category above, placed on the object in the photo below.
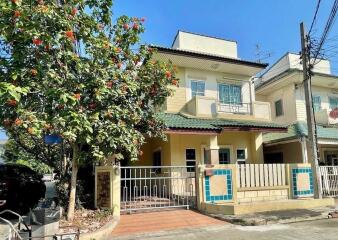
pixel 272 24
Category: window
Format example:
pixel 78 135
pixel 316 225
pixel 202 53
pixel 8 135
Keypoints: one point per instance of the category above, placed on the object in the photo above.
pixel 316 103
pixel 333 102
pixel 190 156
pixel 157 160
pixel 279 108
pixel 197 88
pixel 331 158
pixel 228 93
pixel 241 155
pixel 224 155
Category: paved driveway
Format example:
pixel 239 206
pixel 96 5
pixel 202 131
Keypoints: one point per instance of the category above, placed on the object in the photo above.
pixel 142 223
pixel 314 230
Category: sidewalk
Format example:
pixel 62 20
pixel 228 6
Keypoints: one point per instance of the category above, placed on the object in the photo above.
pixel 275 217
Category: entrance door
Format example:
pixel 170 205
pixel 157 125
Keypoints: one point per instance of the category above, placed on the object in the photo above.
pixel 224 155
pixel 331 158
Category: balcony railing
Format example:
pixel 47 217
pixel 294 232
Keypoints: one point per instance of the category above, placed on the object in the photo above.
pixel 239 108
pixel 207 106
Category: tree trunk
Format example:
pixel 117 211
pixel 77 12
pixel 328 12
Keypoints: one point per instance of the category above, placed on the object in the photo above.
pixel 72 194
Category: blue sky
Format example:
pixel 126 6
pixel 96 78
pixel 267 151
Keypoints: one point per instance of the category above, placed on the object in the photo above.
pixel 273 24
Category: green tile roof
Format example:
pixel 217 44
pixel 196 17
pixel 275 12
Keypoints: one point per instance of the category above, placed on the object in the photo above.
pixel 179 121
pixel 298 130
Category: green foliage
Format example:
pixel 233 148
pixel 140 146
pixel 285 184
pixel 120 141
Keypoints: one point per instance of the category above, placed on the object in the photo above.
pixel 13 153
pixel 68 70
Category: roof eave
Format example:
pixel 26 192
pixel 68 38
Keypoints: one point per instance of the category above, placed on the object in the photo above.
pixel 209 57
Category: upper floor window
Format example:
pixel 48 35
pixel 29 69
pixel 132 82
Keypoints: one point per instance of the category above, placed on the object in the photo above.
pixel 333 102
pixel 229 93
pixel 279 108
pixel 316 103
pixel 197 88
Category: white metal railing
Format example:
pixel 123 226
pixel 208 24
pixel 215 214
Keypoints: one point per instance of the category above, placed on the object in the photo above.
pixel 13 232
pixel 240 108
pixel 151 187
pixel 261 175
pixel 329 176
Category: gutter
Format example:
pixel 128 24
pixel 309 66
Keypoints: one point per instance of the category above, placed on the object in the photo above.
pixel 208 57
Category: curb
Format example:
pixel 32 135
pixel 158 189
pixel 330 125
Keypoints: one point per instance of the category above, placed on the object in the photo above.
pixel 262 221
pixel 103 232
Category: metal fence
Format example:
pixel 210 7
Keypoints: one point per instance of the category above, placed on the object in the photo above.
pixel 240 108
pixel 329 176
pixel 157 187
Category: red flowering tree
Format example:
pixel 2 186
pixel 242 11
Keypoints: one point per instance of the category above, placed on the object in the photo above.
pixel 66 69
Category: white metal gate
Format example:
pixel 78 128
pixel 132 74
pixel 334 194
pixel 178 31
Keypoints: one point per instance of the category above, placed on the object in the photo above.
pixel 329 176
pixel 157 187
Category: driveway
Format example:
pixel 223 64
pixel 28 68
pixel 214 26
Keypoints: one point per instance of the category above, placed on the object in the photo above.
pixel 142 223
pixel 316 230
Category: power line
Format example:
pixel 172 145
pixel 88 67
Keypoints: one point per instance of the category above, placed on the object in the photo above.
pixel 315 16
pixel 327 28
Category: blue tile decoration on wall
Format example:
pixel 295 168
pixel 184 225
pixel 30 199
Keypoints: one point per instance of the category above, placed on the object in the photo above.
pixel 296 192
pixel 228 196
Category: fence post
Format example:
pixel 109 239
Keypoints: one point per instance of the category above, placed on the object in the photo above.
pixel 116 190
pixel 288 179
pixel 199 171
pixel 107 188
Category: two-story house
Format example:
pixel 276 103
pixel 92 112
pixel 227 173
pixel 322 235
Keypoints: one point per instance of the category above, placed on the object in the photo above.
pixel 213 156
pixel 213 116
pixel 282 86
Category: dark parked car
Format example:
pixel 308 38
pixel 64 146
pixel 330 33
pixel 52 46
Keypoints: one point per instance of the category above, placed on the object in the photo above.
pixel 20 187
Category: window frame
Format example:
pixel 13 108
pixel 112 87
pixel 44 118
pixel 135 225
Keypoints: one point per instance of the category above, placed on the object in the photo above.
pixel 242 160
pixel 320 103
pixel 197 81
pixel 281 113
pixel 240 103
pixel 225 148
pixel 336 99
pixel 188 167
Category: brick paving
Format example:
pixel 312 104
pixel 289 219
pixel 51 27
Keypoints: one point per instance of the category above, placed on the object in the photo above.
pixel 161 221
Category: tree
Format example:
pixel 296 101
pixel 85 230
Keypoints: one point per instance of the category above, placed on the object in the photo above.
pixel 66 69
pixel 14 153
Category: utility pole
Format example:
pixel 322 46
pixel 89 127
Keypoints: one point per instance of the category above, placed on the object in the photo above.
pixel 312 137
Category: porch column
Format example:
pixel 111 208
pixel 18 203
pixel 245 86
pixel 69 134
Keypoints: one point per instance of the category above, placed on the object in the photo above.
pixel 304 149
pixel 212 150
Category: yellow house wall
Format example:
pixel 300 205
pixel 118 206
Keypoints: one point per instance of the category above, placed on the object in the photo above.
pixel 324 93
pixel 288 97
pixel 173 150
pixel 177 101
pixel 150 147
pixel 292 152
pixel 180 142
pixel 247 140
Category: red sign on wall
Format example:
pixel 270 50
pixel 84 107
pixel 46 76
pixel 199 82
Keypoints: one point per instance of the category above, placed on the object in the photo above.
pixel 334 113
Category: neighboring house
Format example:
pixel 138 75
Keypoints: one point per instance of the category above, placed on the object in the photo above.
pixel 213 116
pixel 282 87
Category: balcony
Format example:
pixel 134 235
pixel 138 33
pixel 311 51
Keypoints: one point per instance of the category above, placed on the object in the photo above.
pixel 327 117
pixel 211 107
